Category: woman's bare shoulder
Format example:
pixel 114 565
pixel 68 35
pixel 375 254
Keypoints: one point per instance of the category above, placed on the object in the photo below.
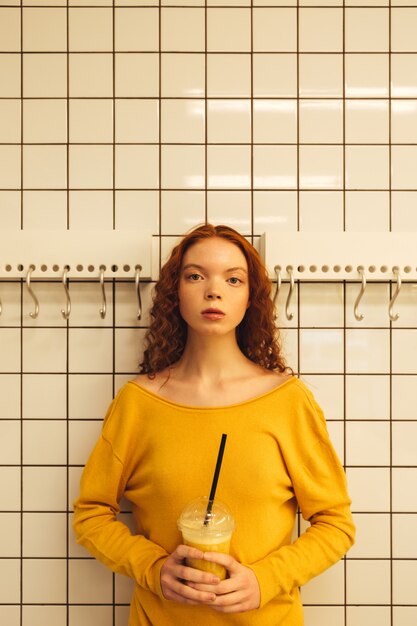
pixel 152 384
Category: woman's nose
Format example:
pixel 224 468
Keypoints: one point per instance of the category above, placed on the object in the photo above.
pixel 212 293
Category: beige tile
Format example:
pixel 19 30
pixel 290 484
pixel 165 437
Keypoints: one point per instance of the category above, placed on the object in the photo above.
pixel 404 542
pixel 366 30
pixel 321 121
pixel 405 615
pixel 10 614
pixel 404 216
pixel 45 581
pixel 10 76
pixel 183 121
pixel 136 29
pixel 274 75
pixel 404 75
pixel 328 391
pixel 275 211
pixel 367 121
pixel 40 615
pixel 137 121
pixel 9 581
pixel 182 29
pixel 91 75
pixel 99 588
pixel 370 615
pixel 44 29
pixel 367 351
pixel 127 302
pixel 90 29
pixel 137 167
pixel 10 166
pixel 406 303
pixel 321 210
pixel 127 354
pixel 229 75
pixel 9 354
pixel 404 574
pixel 91 121
pixel 358 449
pixel 44 534
pixel 44 489
pixel 90 350
pixel 10 390
pixel 321 350
pixel 274 166
pixel 10 29
pixel 321 304
pixel 137 209
pixel 367 211
pixel 9 535
pixel 44 396
pixel 44 167
pixel 10 112
pixel 88 615
pixel 368 582
pixel 327 588
pixel 274 30
pixel 404 494
pixel 228 167
pixel 404 29
pixel 404 437
pixel 10 218
pixel 321 167
pixel 82 438
pixel 74 477
pixel 366 75
pixel 137 75
pixel 321 75
pixel 45 121
pixel 90 210
pixel 232 208
pixel 228 30
pixel 404 175
pixel 183 167
pixel 181 210
pixel 10 442
pixel 316 615
pixel 44 442
pixel 82 175
pixel 10 294
pixel 83 404
pixel 372 536
pixel 182 75
pixel 367 397
pixel 404 121
pixel 320 30
pixel 45 75
pixel 44 350
pixel 275 121
pixel 403 350
pixel 402 408
pixel 124 588
pixel 373 304
pixel 369 489
pixel 358 173
pixel 229 121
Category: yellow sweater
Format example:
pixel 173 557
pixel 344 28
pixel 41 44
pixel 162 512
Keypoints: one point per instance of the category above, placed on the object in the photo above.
pixel 161 454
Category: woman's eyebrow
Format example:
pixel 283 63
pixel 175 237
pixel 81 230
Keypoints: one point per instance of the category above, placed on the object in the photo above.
pixel 200 267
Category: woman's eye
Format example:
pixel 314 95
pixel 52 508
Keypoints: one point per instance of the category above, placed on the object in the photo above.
pixel 235 280
pixel 194 276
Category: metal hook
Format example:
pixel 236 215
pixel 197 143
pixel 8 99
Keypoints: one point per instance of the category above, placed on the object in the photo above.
pixel 277 270
pixel 359 317
pixel 104 306
pixel 287 306
pixel 33 314
pixel 67 311
pixel 137 283
pixel 393 317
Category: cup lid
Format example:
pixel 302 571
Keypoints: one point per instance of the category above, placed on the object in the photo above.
pixel 220 519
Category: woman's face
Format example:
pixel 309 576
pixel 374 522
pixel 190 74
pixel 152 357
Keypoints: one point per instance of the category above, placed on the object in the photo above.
pixel 214 276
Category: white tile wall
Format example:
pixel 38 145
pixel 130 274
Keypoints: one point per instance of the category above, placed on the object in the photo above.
pixel 270 115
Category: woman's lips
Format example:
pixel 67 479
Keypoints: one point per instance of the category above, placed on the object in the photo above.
pixel 213 314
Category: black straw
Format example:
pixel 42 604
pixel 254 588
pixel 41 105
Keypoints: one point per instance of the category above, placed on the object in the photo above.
pixel 215 479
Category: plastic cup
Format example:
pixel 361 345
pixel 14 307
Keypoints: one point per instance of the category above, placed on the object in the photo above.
pixel 214 536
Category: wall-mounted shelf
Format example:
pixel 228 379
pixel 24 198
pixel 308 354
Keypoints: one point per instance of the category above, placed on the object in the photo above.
pixel 116 252
pixel 333 256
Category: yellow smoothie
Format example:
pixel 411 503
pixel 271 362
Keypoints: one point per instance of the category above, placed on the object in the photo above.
pixel 215 546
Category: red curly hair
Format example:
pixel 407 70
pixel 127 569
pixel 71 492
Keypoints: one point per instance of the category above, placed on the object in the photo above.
pixel 257 335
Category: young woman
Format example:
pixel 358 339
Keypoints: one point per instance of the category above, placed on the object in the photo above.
pixel 213 365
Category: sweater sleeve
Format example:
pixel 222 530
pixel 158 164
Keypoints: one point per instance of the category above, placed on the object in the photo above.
pixel 319 485
pixel 96 526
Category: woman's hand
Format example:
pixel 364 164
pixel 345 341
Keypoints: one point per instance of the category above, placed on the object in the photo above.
pixel 238 593
pixel 177 578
